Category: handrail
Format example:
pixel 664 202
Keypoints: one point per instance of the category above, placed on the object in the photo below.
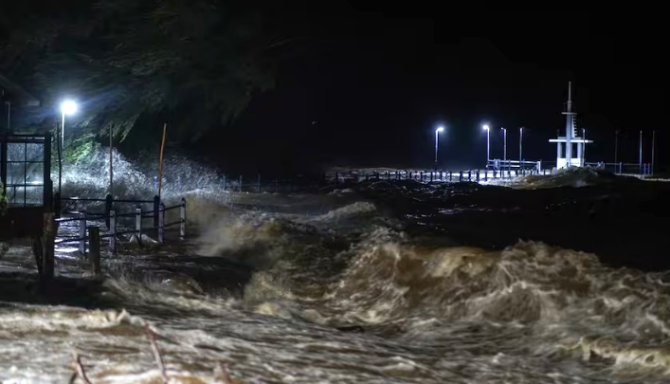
pixel 111 217
pixel 74 198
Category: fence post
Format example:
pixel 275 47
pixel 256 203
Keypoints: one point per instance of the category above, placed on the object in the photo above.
pixel 48 254
pixel 109 203
pixel 478 175
pixel 460 176
pixel 112 231
pixel 94 249
pixel 82 233
pixel 431 177
pixel 157 203
pixel 451 175
pixel 421 175
pixel 161 223
pixel 469 175
pixel 138 224
pixel 494 174
pixel 182 219
pixel 57 204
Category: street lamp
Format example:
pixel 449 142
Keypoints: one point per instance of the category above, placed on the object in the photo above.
pixel 67 107
pixel 616 145
pixel 488 145
pixel 437 134
pixel 504 143
pixel 520 145
pixel 584 147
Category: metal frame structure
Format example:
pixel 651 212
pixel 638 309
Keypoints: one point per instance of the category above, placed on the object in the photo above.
pixel 25 218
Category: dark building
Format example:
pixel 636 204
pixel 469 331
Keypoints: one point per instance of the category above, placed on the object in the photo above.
pixel 14 99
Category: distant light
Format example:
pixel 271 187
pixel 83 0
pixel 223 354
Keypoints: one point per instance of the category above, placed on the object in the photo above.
pixel 68 107
pixel 486 127
pixel 440 129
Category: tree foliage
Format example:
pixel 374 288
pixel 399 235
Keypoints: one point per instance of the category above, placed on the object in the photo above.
pixel 196 63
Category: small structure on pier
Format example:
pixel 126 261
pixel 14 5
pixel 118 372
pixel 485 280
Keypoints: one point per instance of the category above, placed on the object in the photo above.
pixel 566 144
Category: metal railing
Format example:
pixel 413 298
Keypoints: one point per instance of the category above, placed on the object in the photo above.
pixel 111 218
pixel 498 164
pixel 625 168
pixel 476 175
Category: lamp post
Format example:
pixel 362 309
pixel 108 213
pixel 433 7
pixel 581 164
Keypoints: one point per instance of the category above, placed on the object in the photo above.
pixel 67 107
pixel 616 145
pixel 488 145
pixel 437 138
pixel 584 147
pixel 641 152
pixel 520 145
pixel 504 143
pixel 653 150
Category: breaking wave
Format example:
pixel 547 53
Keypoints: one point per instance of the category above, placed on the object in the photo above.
pixel 549 301
pixel 528 313
pixel 573 177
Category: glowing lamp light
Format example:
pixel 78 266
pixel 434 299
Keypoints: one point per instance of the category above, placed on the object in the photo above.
pixel 440 129
pixel 486 127
pixel 68 107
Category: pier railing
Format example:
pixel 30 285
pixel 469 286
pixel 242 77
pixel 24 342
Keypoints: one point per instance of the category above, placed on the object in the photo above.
pixel 473 175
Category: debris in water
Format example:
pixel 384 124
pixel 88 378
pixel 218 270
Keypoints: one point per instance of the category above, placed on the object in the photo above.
pixel 157 353
pixel 79 368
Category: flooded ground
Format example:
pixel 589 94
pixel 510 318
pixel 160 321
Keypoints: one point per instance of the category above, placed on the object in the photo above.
pixel 378 282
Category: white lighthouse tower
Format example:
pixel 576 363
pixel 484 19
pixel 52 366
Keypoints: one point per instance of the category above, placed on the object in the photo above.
pixel 565 158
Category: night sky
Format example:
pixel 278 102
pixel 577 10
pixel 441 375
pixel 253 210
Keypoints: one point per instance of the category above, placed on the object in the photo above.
pixel 367 87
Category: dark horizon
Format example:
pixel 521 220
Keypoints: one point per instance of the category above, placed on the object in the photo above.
pixel 358 86
pixel 377 94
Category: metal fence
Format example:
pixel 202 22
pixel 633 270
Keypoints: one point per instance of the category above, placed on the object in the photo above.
pixel 625 168
pixel 112 218
pixel 476 175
